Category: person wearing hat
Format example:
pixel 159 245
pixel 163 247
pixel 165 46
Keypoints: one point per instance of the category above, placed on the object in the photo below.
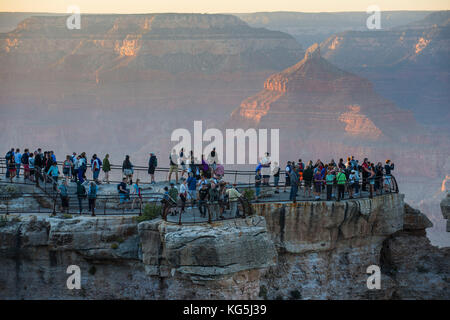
pixel 341 180
pixel 353 184
pixel 152 164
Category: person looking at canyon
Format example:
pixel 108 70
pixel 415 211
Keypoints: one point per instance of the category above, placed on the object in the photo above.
pixel 388 167
pixel 173 166
pixel 287 176
pixel 127 170
pixel 182 157
pixel 308 177
pixel 96 165
pixel 265 169
pixel 152 164
pixel 276 176
pixel 213 159
pixel 17 160
pixel 106 167
pixel 64 195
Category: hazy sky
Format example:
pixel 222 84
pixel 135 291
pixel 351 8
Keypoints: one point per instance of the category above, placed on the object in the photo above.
pixel 213 6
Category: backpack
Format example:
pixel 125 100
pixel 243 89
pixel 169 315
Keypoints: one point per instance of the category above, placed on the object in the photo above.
pixel 92 192
pixel 8 156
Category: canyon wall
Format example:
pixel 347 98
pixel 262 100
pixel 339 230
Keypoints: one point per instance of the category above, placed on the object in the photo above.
pixel 308 250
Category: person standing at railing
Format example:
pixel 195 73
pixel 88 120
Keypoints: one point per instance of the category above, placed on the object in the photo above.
pixel 82 167
pixel 124 193
pixel 214 196
pixel 12 168
pixel 92 197
pixel 203 194
pixel 308 177
pixel 233 197
pixel 53 172
pixel 287 178
pixel 64 195
pixel 365 173
pixel 18 161
pixel 388 167
pixel 67 167
pixel 173 163
pixel 106 167
pixel 152 164
pixel 73 174
pixel 81 195
pixel 76 168
pixel 318 180
pixel 127 169
pixel 330 179
pixel 258 179
pixel 378 178
pixel 31 166
pixel 25 163
pixel 182 157
pixel 38 163
pixel 353 184
pixel 9 155
pixel 371 178
pixel 295 181
pixel 276 176
pixel 265 168
pixel 213 160
pixel 341 180
pixel 183 194
pixel 96 165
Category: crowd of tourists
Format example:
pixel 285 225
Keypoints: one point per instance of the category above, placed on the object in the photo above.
pixel 199 182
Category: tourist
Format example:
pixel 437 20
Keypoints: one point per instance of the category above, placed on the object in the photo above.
pixel 258 179
pixel 265 168
pixel 318 180
pixel 152 164
pixel 365 173
pixel 64 195
pixel 341 180
pixel 173 163
pixel 136 194
pixel 213 159
pixel 203 194
pixel 31 166
pixel 73 158
pixel 379 178
pixel 12 168
pixel 92 197
pixel 81 195
pixel 127 169
pixel 106 168
pixel 205 168
pixel 182 158
pixel 330 179
pixel 233 197
pixel 18 161
pixel 67 167
pixel 76 168
pixel 9 155
pixel 287 175
pixel 352 183
pixel 82 167
pixel 183 194
pixel 38 163
pixel 192 186
pixel 294 181
pixel 173 193
pixel 371 178
pixel 53 172
pixel 388 167
pixel 26 164
pixel 124 193
pixel 276 176
pixel 96 165
pixel 308 175
pixel 214 196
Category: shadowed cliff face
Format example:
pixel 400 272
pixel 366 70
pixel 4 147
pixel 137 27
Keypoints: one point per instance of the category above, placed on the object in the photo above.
pixel 308 250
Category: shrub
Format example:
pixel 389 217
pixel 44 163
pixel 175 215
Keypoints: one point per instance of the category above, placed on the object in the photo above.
pixel 263 292
pixel 249 194
pixel 3 220
pixel 67 216
pixel 150 212
pixel 114 246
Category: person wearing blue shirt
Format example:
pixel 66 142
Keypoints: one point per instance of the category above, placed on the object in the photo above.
pixel 18 160
pixel 54 173
pixel 192 187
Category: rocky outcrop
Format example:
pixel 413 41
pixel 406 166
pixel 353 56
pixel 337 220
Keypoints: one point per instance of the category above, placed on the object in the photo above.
pixel 307 250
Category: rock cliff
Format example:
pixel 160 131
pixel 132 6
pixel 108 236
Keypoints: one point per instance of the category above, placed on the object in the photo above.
pixel 308 250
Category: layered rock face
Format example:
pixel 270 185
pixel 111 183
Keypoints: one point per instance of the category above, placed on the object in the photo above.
pixel 131 46
pixel 308 250
pixel 322 110
pixel 408 64
pixel 445 207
